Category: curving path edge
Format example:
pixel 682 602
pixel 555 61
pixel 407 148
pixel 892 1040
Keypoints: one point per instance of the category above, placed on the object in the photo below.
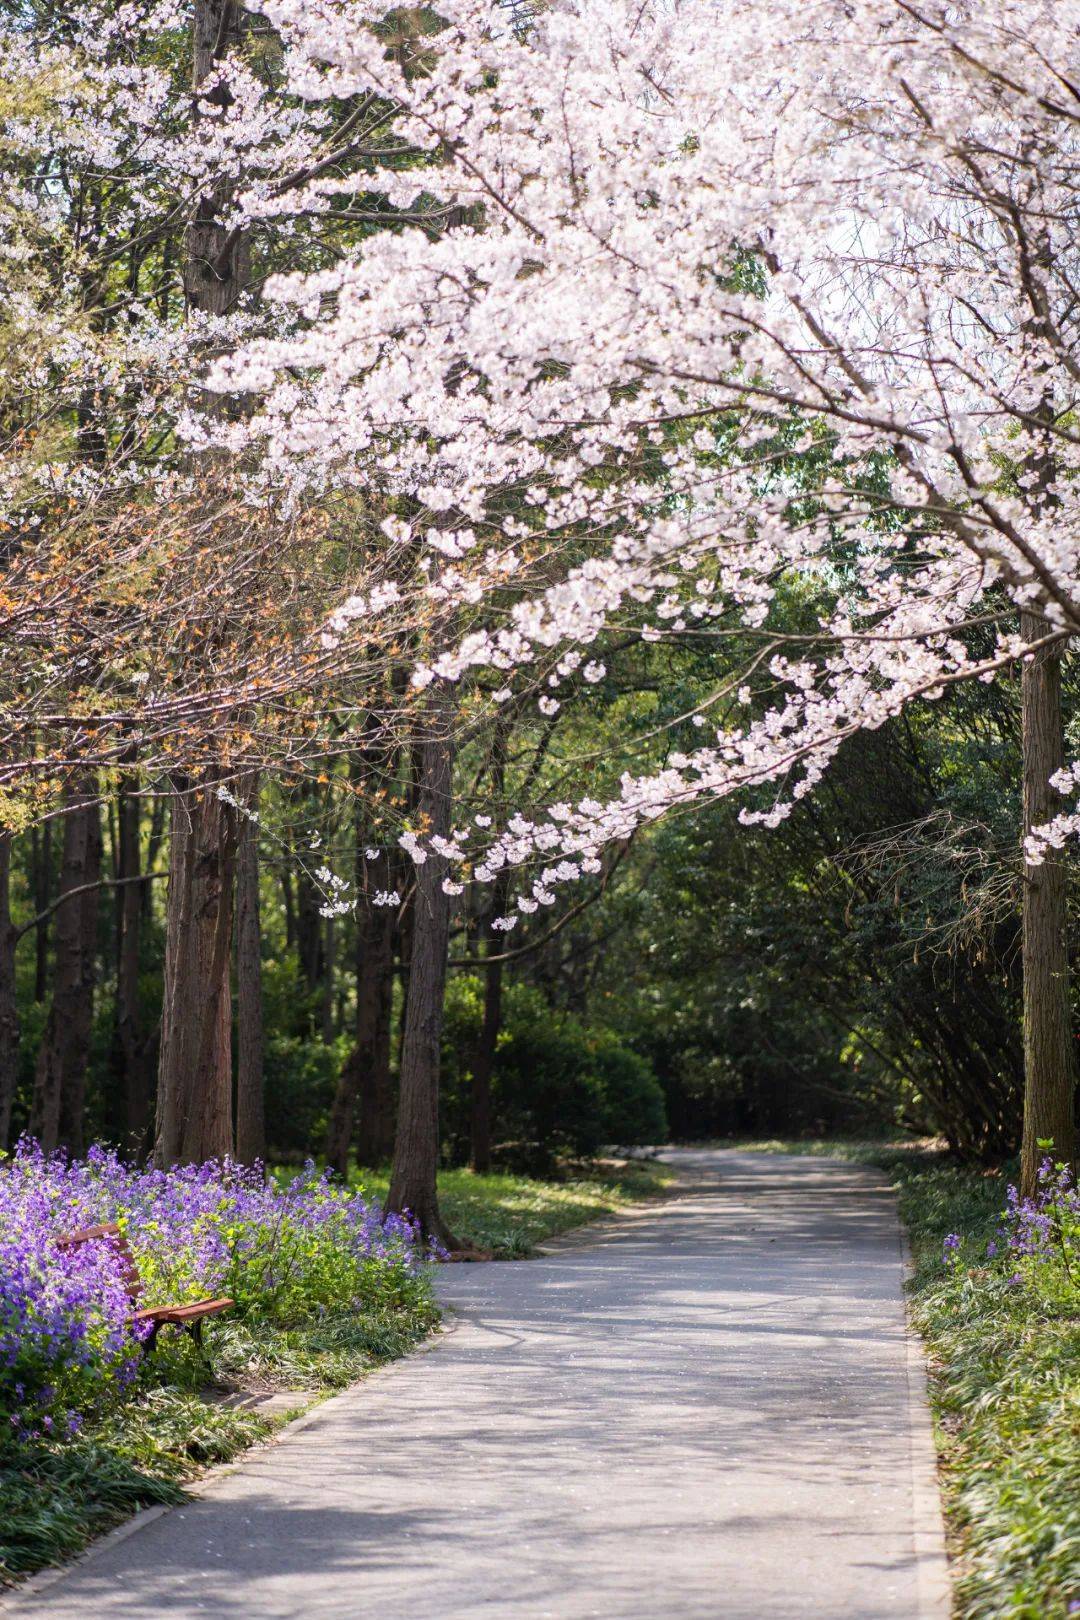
pixel 709 1408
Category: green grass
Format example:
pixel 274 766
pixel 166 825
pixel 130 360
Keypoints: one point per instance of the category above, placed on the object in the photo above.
pixel 56 1498
pixel 1004 1366
pixel 512 1214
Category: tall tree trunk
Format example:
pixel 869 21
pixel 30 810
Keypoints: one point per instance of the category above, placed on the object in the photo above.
pixel 194 1109
pixel 250 1115
pixel 484 1065
pixel 9 1012
pixel 130 1056
pixel 309 931
pixel 416 1149
pixel 159 807
pixel 1049 1074
pixel 326 988
pixel 375 1139
pixel 41 883
pixel 365 1074
pixel 215 256
pixel 60 1079
pixel 289 904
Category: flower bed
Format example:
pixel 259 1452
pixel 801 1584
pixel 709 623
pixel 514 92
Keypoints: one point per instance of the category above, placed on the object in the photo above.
pixel 284 1252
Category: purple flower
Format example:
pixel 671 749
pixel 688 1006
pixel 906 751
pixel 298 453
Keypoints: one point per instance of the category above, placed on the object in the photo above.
pixel 280 1249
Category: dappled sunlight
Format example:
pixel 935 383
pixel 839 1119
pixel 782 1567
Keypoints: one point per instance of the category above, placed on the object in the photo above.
pixel 703 1409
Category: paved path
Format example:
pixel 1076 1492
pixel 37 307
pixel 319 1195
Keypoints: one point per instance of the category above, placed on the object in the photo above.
pixel 708 1410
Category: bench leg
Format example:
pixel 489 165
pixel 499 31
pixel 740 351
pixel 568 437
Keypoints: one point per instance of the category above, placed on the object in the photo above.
pixel 196 1330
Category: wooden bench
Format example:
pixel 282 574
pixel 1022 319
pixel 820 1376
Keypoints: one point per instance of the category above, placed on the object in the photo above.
pixel 188 1318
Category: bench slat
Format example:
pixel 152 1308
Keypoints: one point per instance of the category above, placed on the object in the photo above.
pixel 182 1313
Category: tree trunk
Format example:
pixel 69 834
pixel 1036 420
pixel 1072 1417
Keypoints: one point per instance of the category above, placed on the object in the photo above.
pixel 60 1079
pixel 375 1140
pixel 484 1065
pixel 416 1150
pixel 9 1012
pixel 326 988
pixel 130 1061
pixel 366 1072
pixel 480 1122
pixel 41 861
pixel 309 932
pixel 289 905
pixel 1049 1074
pixel 250 1120
pixel 194 1111
pixel 215 257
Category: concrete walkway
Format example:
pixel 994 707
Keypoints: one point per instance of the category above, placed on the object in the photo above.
pixel 707 1410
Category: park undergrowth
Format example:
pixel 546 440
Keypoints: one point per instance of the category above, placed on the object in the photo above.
pixel 510 1214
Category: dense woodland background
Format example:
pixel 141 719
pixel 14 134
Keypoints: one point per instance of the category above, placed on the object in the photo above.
pixel 855 968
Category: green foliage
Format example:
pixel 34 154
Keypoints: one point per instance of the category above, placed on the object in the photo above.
pixel 54 1499
pixel 856 967
pixel 328 1351
pixel 633 1103
pixel 1005 1387
pixel 300 1075
pixel 559 1086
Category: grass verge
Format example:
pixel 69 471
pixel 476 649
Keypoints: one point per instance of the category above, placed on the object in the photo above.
pixel 510 1214
pixel 54 1499
pixel 1004 1364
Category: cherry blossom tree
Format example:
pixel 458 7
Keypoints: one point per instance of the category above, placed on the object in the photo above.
pixel 157 623
pixel 684 236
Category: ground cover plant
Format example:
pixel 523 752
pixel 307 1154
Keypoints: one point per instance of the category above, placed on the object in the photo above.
pixel 511 1214
pixel 325 1287
pixel 996 1297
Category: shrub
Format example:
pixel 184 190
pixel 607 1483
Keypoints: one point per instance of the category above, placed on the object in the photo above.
pixel 300 1075
pixel 633 1102
pixel 558 1086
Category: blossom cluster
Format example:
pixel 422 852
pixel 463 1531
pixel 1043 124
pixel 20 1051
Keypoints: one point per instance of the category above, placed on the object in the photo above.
pixel 679 307
pixel 696 230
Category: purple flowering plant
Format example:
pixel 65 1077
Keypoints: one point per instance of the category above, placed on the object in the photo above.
pixel 1041 1234
pixel 1038 1241
pixel 283 1249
